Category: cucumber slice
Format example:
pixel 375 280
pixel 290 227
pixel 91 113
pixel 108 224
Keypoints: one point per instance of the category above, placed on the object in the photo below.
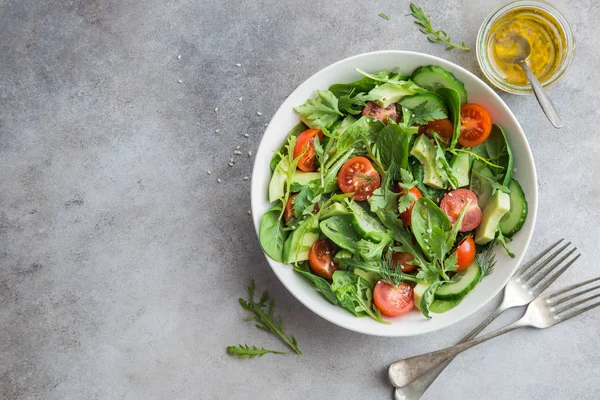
pixel 432 77
pixel 513 220
pixel 411 102
pixel 367 225
pixel 462 283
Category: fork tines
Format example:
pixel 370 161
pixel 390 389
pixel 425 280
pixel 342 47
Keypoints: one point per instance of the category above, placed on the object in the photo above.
pixel 544 269
pixel 569 302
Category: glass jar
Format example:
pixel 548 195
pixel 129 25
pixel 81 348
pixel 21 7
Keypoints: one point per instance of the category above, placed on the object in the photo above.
pixel 529 17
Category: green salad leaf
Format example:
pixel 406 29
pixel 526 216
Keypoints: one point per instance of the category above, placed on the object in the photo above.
pixel 392 146
pixel 452 99
pixel 272 234
pixel 355 294
pixel 296 130
pixel 320 284
pixel 322 112
pixel 340 230
pixel 429 297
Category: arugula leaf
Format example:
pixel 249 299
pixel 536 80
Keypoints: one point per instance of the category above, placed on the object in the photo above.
pixel 265 318
pixel 444 169
pixel 320 284
pixel 296 130
pixel 384 198
pixel 428 298
pixel 452 99
pixel 433 35
pixel 451 237
pixel 424 113
pixel 373 251
pixel 502 240
pixel 384 16
pixel 244 351
pixel 272 234
pixel 322 112
pixel 355 294
pixel 392 146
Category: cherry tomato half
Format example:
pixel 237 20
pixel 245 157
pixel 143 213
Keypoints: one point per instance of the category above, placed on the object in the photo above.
pixel 466 252
pixel 475 125
pixel 407 215
pixel 402 258
pixel 454 202
pixel 358 176
pixel 320 258
pixel 306 140
pixel 393 301
pixel 382 114
pixel 443 127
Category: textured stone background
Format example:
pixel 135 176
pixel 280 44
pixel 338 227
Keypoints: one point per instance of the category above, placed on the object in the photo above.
pixel 121 259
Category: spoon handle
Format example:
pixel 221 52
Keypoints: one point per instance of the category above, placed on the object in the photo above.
pixel 542 97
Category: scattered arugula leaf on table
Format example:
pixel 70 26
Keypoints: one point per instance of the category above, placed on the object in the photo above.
pixel 244 351
pixel 265 318
pixel 384 16
pixel 433 35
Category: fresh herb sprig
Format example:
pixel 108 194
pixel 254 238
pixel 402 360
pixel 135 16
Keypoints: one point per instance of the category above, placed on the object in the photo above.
pixel 433 35
pixel 244 351
pixel 487 260
pixel 265 318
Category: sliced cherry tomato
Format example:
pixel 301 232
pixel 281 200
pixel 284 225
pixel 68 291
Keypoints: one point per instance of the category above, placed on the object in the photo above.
pixel 407 215
pixel 306 140
pixel 443 127
pixel 358 176
pixel 288 212
pixel 320 258
pixel 402 258
pixel 454 202
pixel 380 113
pixel 466 252
pixel 393 301
pixel 475 125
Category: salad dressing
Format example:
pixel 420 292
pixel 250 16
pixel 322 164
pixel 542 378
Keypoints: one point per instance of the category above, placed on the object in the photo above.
pixel 543 33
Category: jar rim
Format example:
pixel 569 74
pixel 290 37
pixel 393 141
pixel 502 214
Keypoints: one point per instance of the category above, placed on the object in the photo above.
pixel 484 30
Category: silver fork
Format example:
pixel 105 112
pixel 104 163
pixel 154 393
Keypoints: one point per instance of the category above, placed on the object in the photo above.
pixel 524 286
pixel 543 312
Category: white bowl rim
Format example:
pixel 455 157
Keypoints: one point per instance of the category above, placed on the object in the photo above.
pixel 257 196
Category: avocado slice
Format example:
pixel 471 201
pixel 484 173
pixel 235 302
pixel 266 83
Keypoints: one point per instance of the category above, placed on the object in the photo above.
pixel 424 151
pixel 277 184
pixel 461 168
pixel 390 93
pixel 419 291
pixel 303 178
pixel 497 206
pixel 298 244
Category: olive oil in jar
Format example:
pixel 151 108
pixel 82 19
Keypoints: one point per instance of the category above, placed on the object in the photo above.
pixel 544 35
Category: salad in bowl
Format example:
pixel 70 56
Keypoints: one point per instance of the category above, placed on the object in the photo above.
pixel 392 194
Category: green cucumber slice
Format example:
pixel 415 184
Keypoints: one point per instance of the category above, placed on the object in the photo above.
pixel 411 102
pixel 432 77
pixel 514 219
pixel 367 225
pixel 462 283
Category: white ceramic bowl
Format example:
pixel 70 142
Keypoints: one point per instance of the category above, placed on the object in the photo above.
pixel 285 118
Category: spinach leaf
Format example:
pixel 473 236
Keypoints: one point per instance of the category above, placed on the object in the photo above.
pixel 339 230
pixel 320 113
pixel 500 153
pixel 441 306
pixel 296 130
pixel 430 224
pixel 452 99
pixel 392 146
pixel 271 234
pixel 355 294
pixel 428 298
pixel 320 284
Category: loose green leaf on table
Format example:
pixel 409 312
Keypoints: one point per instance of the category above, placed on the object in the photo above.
pixel 384 16
pixel 433 35
pixel 244 351
pixel 265 318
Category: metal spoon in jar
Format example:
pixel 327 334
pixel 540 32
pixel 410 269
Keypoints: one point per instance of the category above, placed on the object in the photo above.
pixel 518 49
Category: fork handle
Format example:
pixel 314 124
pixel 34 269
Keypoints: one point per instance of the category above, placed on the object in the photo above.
pixel 416 388
pixel 405 371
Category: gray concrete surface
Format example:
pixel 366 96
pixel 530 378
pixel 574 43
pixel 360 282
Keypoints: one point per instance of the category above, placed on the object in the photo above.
pixel 121 259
